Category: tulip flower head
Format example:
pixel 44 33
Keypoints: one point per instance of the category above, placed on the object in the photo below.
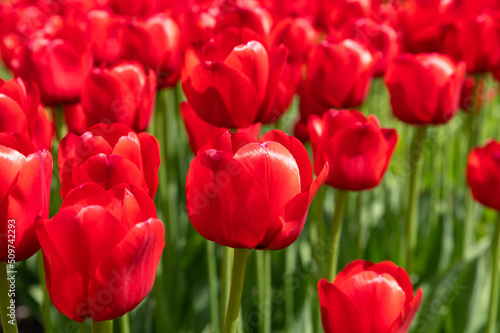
pixel 425 88
pixel 101 251
pixel 233 80
pixel 23 113
pixel 483 174
pixel 109 154
pixel 367 297
pixel 244 193
pixel 24 193
pixel 124 93
pixel 356 148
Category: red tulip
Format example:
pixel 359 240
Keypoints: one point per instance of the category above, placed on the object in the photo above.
pixel 424 88
pixel 109 154
pixel 58 65
pixel 24 193
pixel 298 35
pixel 338 76
pixel 22 113
pixel 381 39
pixel 250 194
pixel 367 297
pixel 232 81
pixel 124 93
pixel 155 42
pixel 104 29
pixel 356 148
pixel 254 18
pixel 421 23
pixel 101 251
pixel 473 36
pixel 200 132
pixel 483 170
pixel 333 14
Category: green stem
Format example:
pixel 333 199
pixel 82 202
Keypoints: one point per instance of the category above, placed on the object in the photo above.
pixel 333 249
pixel 46 305
pixel 290 266
pixel 212 285
pixel 261 289
pixel 237 280
pixel 468 231
pixel 359 225
pixel 416 162
pixel 124 323
pixel 105 326
pixel 225 276
pixel 9 325
pixel 495 255
pixel 267 292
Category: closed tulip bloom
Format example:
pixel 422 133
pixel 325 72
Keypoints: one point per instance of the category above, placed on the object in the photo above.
pixel 24 193
pixel 250 17
pixel 425 88
pixel 421 24
pixel 23 113
pixel 368 298
pixel 200 132
pixel 101 251
pixel 58 65
pixel 155 42
pixel 244 193
pixel 124 93
pixel 232 80
pixel 298 35
pixel 472 35
pixel 483 174
pixel 381 39
pixel 109 154
pixel 338 76
pixel 356 148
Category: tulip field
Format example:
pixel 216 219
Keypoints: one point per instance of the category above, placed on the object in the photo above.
pixel 244 166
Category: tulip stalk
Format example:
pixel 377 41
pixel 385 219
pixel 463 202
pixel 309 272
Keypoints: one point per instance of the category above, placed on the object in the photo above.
pixel 124 323
pixel 105 326
pixel 333 249
pixel 9 325
pixel 212 286
pixel 46 304
pixel 226 267
pixel 495 282
pixel 237 280
pixel 474 130
pixel 416 162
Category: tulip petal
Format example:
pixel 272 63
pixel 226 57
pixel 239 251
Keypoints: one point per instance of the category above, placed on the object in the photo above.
pixel 12 117
pixel 28 201
pixel 295 214
pixel 125 276
pixel 298 151
pixel 339 313
pixel 150 151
